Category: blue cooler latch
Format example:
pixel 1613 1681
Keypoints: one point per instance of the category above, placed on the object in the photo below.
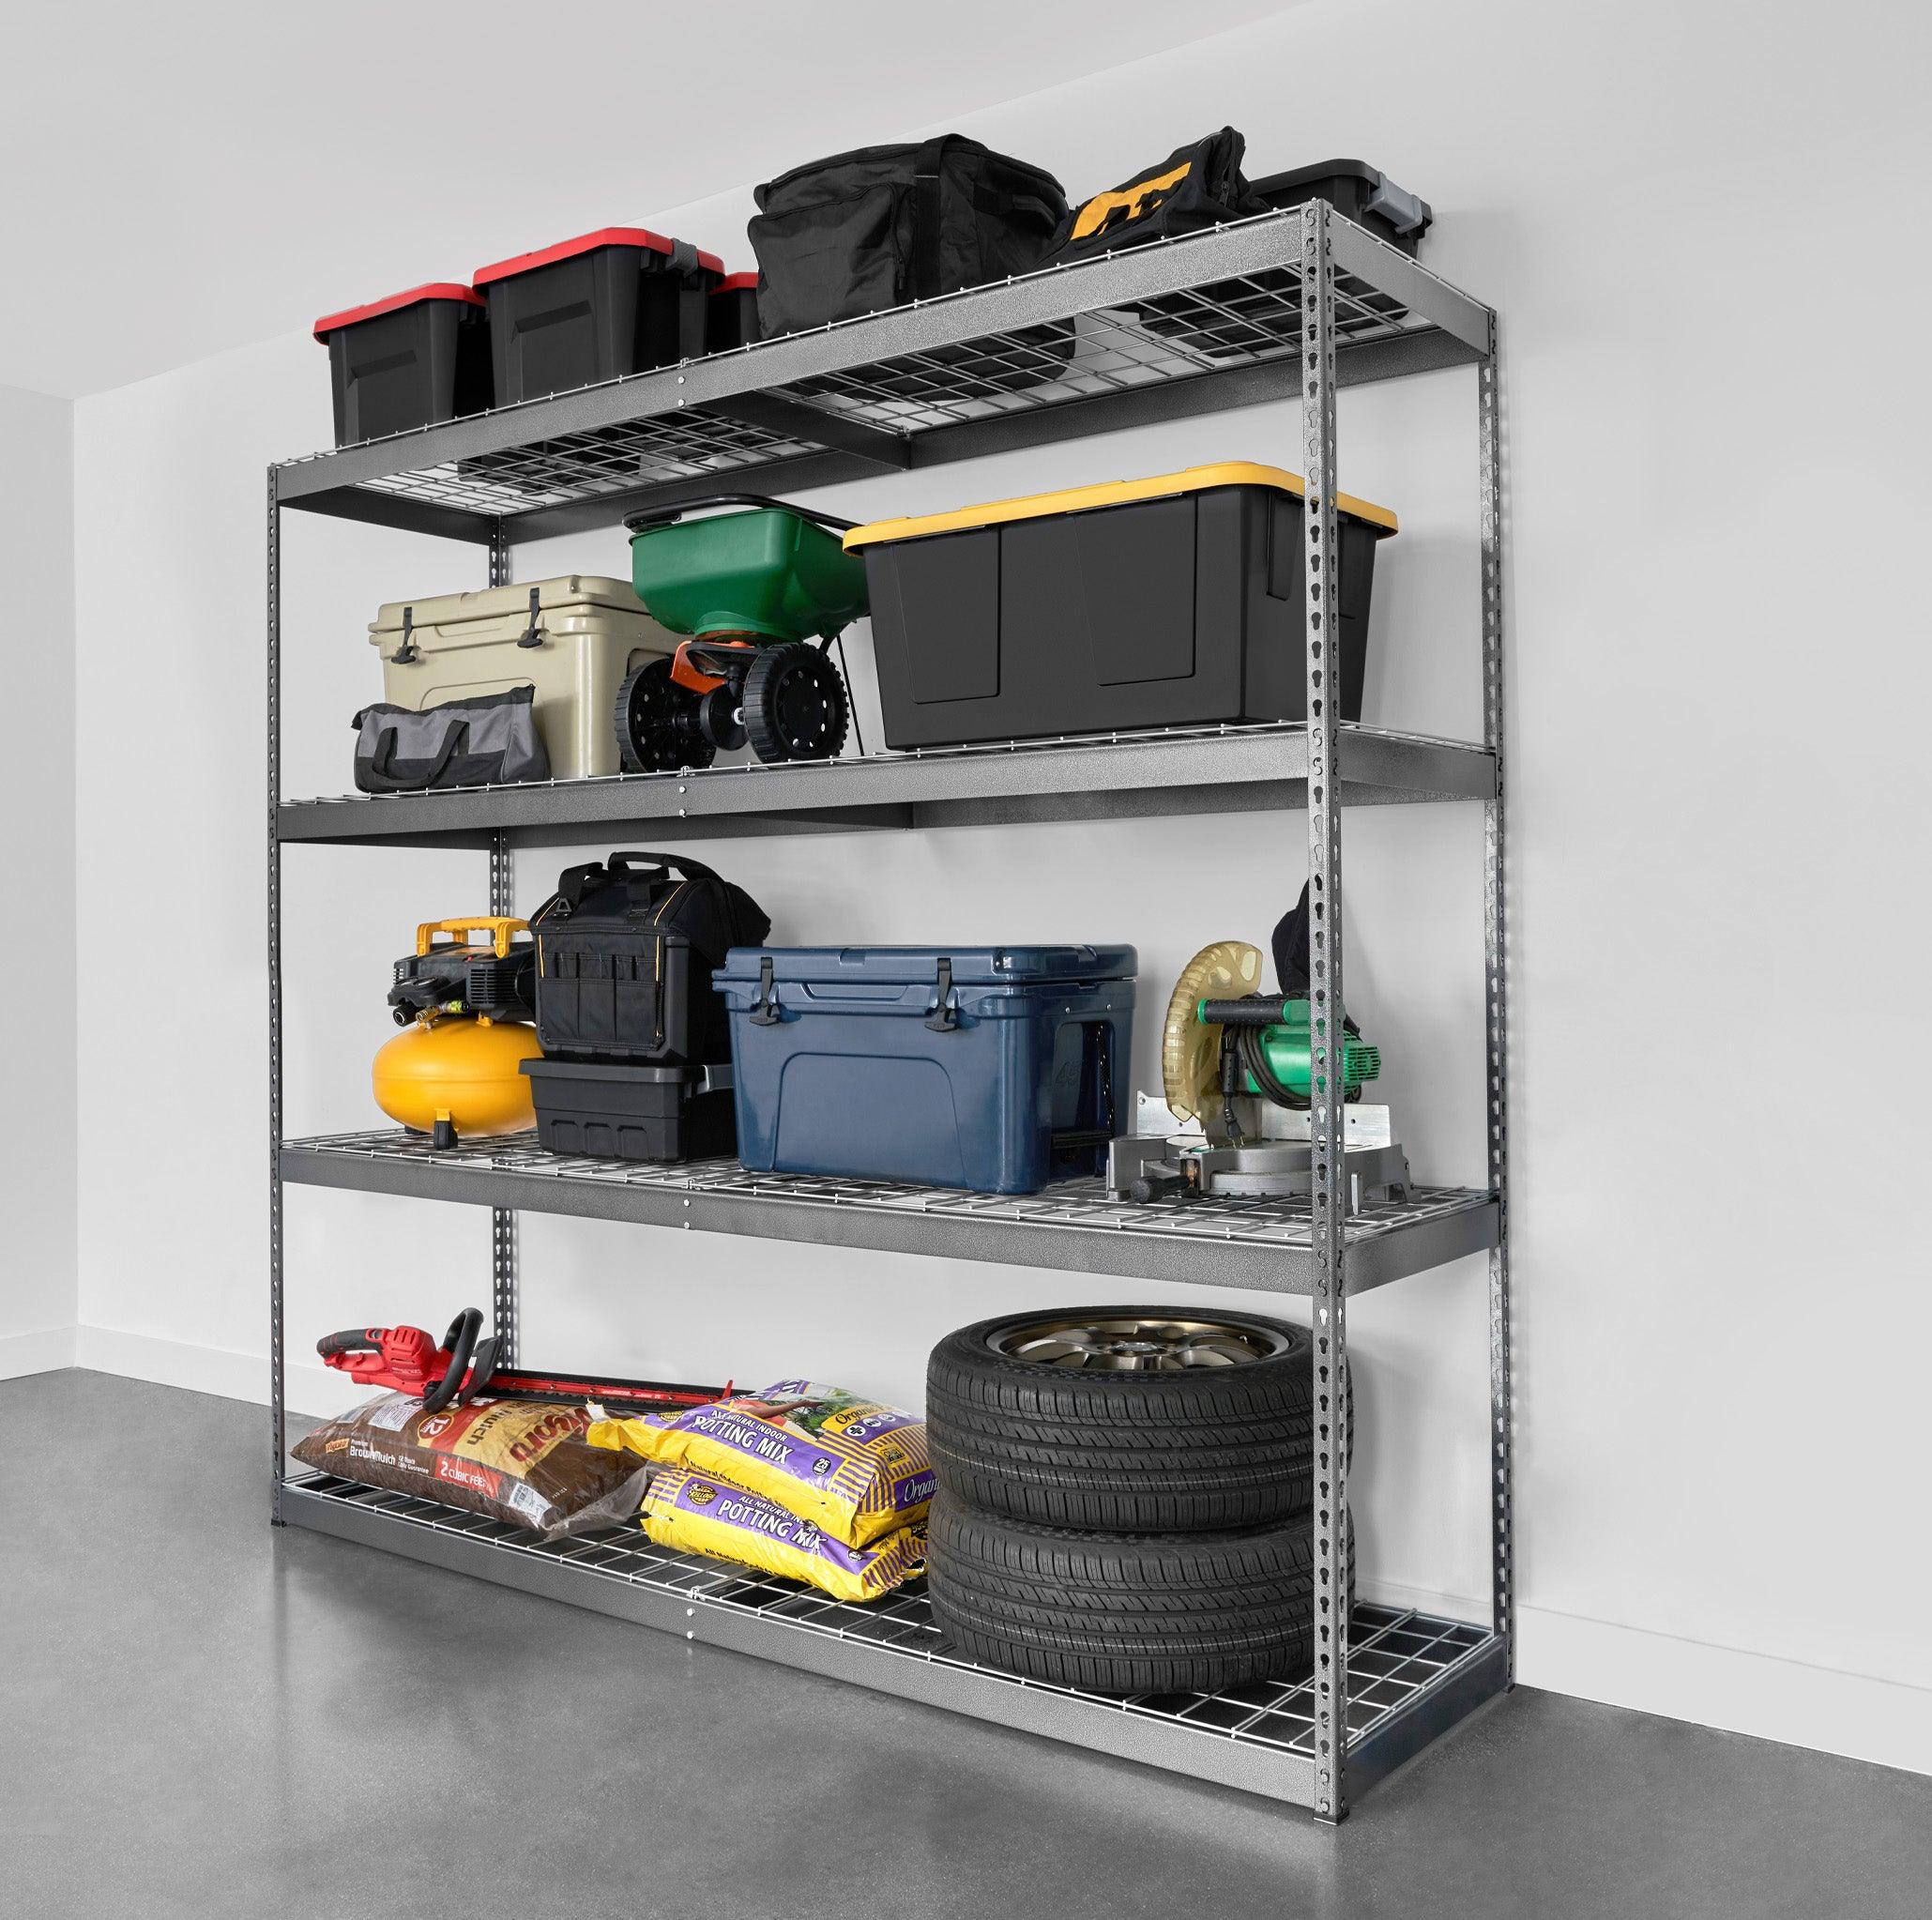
pixel 944 1018
pixel 764 1011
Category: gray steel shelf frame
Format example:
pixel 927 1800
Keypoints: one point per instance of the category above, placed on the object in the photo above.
pixel 1291 305
pixel 1075 1228
pixel 1420 1673
pixel 1219 770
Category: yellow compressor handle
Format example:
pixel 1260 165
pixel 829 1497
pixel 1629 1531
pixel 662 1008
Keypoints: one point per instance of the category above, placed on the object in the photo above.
pixel 500 927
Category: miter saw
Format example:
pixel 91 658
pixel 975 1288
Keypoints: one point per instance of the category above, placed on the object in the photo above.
pixel 1235 1067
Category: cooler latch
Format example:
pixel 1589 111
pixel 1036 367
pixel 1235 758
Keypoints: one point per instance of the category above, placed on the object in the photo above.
pixel 943 1018
pixel 532 635
pixel 408 653
pixel 764 1008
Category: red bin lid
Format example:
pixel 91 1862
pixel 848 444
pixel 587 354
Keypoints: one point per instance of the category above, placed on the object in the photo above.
pixel 736 282
pixel 435 290
pixel 586 243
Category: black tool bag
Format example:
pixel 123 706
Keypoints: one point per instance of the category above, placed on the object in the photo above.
pixel 487 741
pixel 1194 187
pixel 865 231
pixel 625 954
pixel 878 227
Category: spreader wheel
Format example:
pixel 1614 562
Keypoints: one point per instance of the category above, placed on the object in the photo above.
pixel 795 705
pixel 657 723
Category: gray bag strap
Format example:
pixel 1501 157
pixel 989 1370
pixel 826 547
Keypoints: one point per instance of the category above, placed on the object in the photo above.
pixel 377 778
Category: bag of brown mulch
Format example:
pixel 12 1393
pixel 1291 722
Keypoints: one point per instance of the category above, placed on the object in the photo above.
pixel 521 1461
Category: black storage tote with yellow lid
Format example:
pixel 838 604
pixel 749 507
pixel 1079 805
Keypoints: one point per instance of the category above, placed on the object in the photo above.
pixel 1168 601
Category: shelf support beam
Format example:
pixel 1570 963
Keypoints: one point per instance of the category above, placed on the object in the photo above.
pixel 277 1383
pixel 1502 1565
pixel 1321 561
pixel 505 1306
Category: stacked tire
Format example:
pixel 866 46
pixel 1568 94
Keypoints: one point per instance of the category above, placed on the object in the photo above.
pixel 1124 1499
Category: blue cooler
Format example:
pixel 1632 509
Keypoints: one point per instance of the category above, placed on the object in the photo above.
pixel 997 1069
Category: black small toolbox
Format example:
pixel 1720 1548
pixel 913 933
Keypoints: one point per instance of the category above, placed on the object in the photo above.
pixel 625 954
pixel 620 301
pixel 1262 312
pixel 415 359
pixel 609 1112
pixel 1357 191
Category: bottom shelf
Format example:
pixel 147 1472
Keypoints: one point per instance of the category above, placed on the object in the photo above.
pixel 1411 1675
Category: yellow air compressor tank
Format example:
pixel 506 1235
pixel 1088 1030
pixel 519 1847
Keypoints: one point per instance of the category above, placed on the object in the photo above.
pixel 463 1006
pixel 459 1073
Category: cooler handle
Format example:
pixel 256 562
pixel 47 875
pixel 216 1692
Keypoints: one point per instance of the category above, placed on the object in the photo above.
pixel 666 516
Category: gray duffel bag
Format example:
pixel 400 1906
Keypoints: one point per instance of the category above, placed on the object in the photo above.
pixel 488 742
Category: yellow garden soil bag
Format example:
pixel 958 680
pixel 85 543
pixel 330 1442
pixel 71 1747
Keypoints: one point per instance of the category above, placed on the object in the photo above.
pixel 699 1513
pixel 854 1468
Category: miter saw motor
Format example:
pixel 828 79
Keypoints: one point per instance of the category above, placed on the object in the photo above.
pixel 1236 1069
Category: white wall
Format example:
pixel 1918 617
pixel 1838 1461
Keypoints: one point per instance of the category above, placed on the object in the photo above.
pixel 1712 600
pixel 37 1100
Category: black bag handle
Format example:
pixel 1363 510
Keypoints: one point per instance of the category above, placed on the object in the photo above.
pixel 927 215
pixel 676 862
pixel 574 882
pixel 666 516
pixel 378 779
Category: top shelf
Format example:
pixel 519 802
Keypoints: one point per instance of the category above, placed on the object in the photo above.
pixel 1154 333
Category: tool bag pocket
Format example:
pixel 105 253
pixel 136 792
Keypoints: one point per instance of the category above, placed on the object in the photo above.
pixel 1194 187
pixel 882 225
pixel 490 741
pixel 625 951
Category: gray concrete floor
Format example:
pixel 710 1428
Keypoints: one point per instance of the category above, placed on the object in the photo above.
pixel 201 1715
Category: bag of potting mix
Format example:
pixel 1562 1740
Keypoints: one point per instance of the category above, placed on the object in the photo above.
pixel 698 1513
pixel 521 1461
pixel 854 1468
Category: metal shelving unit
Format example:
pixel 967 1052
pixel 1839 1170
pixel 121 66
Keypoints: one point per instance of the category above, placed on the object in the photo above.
pixel 1289 305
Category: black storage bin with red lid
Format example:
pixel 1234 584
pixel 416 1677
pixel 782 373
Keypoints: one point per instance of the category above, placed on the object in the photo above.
pixel 731 313
pixel 618 301
pixel 411 360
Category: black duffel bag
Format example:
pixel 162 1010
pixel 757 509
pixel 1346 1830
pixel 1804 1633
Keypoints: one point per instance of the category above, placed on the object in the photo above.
pixel 625 954
pixel 1194 187
pixel 884 225
pixel 487 741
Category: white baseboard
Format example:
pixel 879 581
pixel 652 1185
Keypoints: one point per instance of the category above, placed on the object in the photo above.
pixel 45 1351
pixel 308 1387
pixel 1887 1722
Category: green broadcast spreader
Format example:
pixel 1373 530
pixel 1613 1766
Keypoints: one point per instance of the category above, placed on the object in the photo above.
pixel 753 590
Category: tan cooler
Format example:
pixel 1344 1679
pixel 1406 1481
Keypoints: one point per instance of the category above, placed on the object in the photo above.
pixel 571 640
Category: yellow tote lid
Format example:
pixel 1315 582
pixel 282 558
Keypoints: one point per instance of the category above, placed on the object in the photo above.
pixel 1192 479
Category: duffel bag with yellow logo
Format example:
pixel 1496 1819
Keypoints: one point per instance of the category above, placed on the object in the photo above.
pixel 1194 187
